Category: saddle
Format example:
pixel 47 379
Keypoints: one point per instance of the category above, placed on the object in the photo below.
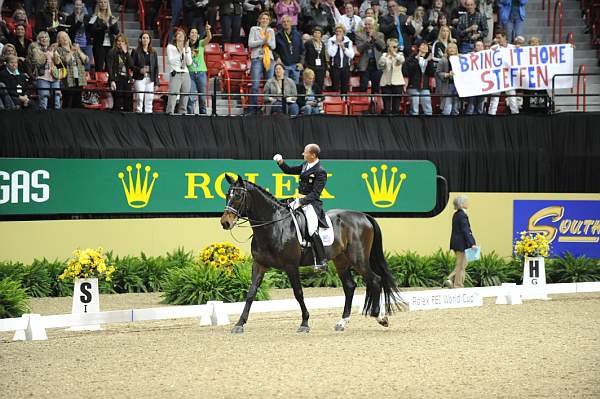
pixel 326 234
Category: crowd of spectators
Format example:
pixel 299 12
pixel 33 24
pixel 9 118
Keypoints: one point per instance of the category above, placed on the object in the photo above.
pixel 298 50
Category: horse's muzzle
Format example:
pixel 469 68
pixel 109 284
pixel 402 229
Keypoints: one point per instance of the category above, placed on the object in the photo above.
pixel 228 220
pixel 226 224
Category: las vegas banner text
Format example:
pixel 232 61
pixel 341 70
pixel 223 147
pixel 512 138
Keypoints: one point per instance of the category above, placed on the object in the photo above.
pixel 502 69
pixel 105 186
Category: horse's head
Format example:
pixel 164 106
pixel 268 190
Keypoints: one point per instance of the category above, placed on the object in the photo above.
pixel 236 202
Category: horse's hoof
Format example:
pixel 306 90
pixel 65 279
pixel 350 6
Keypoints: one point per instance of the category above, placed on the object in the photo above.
pixel 384 321
pixel 339 327
pixel 303 329
pixel 237 330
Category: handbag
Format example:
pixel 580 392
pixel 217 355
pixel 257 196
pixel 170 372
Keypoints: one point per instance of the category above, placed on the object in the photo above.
pixel 59 72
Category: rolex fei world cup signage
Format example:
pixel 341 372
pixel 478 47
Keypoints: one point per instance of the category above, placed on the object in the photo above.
pixel 87 186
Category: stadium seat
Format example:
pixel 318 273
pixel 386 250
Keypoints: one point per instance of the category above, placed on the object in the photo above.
pixel 333 104
pixel 213 57
pixel 358 105
pixel 235 72
pixel 236 52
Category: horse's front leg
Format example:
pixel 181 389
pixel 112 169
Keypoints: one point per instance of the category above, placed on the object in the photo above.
pixel 294 276
pixel 258 272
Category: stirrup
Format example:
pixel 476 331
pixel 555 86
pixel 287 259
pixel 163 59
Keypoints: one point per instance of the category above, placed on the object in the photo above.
pixel 321 266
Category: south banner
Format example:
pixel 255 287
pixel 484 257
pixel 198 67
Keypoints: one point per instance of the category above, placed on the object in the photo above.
pixel 502 69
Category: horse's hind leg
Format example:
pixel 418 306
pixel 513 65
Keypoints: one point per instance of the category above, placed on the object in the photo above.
pixel 349 285
pixel 258 272
pixel 294 276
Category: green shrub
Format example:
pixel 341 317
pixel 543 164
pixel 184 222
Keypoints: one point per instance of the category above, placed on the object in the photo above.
pixel 412 270
pixel 55 268
pixel 198 284
pixel 312 278
pixel 570 269
pixel 180 258
pixel 35 278
pixel 11 270
pixel 442 264
pixel 489 270
pixel 13 299
pixel 128 276
pixel 278 279
pixel 155 271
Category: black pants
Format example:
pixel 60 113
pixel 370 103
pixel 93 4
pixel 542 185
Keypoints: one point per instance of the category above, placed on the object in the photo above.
pixel 371 74
pixel 231 25
pixel 319 80
pixel 123 99
pixel 72 96
pixel 391 105
pixel 100 57
pixel 340 79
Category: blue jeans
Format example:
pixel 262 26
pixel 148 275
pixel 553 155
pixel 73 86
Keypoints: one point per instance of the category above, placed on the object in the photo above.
pixel 176 7
pixel 466 47
pixel 291 108
pixel 292 72
pixel 230 26
pixel 310 110
pixel 513 28
pixel 198 86
pixel 476 105
pixel 415 99
pixel 451 105
pixel 44 87
pixel 257 73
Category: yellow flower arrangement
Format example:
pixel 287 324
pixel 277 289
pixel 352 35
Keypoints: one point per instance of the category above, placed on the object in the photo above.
pixel 532 244
pixel 221 256
pixel 87 263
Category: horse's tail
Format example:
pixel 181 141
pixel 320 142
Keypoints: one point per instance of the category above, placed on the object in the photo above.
pixel 392 297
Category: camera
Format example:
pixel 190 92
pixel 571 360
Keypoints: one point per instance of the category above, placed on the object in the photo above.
pixel 173 73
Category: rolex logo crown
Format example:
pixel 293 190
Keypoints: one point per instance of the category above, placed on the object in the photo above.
pixel 383 192
pixel 138 194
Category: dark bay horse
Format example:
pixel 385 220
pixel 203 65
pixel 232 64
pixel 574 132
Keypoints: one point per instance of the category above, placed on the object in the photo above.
pixel 275 244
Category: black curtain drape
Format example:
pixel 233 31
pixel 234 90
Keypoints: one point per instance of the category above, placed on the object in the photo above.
pixel 522 153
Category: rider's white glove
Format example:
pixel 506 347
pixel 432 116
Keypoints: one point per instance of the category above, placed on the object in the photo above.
pixel 295 204
pixel 277 158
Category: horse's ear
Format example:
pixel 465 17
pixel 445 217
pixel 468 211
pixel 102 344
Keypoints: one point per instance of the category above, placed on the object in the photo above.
pixel 240 180
pixel 230 179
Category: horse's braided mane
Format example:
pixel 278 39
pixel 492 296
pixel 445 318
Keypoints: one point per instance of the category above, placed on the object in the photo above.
pixel 265 192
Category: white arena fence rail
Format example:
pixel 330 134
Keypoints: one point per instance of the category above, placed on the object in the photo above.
pixel 31 327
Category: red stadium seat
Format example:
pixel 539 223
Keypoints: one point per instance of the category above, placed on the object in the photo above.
pixel 213 57
pixel 358 105
pixel 334 104
pixel 235 72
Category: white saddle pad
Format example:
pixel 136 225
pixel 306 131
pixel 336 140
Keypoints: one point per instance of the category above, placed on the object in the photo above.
pixel 326 234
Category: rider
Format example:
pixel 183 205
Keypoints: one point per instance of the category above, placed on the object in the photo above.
pixel 312 182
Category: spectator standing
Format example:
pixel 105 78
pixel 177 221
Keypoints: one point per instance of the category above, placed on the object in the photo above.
pixel 308 100
pixel 375 13
pixel 511 98
pixel 486 8
pixel 341 53
pixel 15 82
pixel 397 25
pixel 19 17
pixel 472 26
pixel 290 8
pixel 119 65
pixel 317 14
pixel 432 15
pixel 392 81
pixel 315 58
pixel 198 70
pixel 370 45
pixel 366 4
pixel 103 28
pixel 435 31
pixel 20 42
pixel 262 44
pixel 74 59
pixel 511 15
pixel 418 23
pixel 289 48
pixel 334 10
pixel 42 59
pixel 78 22
pixel 280 93
pixel 418 69
pixel 352 23
pixel 444 73
pixel 231 20
pixel 461 239
pixel 145 73
pixel 8 51
pixel 476 104
pixel 194 15
pixel 179 56
pixel 50 20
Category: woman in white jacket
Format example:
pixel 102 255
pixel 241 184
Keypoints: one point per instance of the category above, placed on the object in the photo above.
pixel 341 53
pixel 392 81
pixel 179 56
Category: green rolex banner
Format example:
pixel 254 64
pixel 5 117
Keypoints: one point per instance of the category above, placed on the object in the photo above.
pixel 86 186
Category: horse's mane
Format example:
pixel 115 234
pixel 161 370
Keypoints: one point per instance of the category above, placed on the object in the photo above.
pixel 265 192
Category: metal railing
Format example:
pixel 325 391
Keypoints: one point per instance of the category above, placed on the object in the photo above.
pixel 581 90
pixel 558 7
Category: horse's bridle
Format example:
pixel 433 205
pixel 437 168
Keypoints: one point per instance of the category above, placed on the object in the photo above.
pixel 243 208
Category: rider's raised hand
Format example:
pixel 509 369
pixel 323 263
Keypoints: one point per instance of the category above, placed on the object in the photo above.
pixel 278 158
